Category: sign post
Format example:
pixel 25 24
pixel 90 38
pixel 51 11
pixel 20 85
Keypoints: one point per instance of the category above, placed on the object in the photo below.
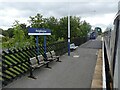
pixel 39 31
pixel 44 46
pixel 37 45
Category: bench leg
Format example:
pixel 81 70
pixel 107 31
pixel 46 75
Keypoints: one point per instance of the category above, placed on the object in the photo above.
pixel 32 77
pixel 58 60
pixel 47 66
pixel 31 74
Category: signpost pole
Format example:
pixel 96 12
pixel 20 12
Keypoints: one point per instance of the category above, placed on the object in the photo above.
pixel 39 31
pixel 45 46
pixel 69 33
pixel 37 44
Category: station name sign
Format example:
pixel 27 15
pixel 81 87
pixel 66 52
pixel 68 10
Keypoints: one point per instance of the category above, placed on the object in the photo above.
pixel 39 31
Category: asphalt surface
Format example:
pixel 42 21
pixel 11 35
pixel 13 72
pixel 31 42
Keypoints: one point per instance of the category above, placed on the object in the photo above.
pixel 75 71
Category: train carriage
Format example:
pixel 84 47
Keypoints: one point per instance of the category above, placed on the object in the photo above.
pixel 112 47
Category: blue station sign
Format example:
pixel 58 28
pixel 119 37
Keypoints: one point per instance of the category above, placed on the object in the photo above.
pixel 39 31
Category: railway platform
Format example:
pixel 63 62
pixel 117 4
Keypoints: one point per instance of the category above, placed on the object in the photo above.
pixel 75 71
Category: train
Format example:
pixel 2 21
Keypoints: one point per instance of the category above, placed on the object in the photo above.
pixel 93 35
pixel 111 41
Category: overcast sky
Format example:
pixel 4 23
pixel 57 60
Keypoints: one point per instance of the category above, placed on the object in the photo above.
pixel 97 12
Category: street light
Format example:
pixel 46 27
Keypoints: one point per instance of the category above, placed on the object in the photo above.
pixel 69 29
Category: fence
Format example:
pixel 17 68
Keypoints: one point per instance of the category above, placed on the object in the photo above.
pixel 79 41
pixel 15 63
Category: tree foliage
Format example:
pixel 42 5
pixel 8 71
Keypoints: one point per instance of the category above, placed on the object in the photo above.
pixel 8 33
pixel 85 28
pixel 17 36
pixel 36 21
pixel 52 24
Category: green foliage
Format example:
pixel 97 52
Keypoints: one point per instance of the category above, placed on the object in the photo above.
pixel 24 28
pixel 8 33
pixel 5 39
pixel 36 21
pixel 18 35
pixel 1 31
pixel 30 41
pixel 8 43
pixel 63 27
pixel 75 26
pixel 78 29
pixel 19 38
pixel 84 28
pixel 53 24
pixel 0 45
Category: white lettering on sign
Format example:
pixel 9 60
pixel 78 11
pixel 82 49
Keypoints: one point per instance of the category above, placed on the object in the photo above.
pixel 41 31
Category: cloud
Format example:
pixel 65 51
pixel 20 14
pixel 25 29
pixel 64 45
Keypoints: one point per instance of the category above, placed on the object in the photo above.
pixel 61 7
pixel 107 19
pixel 59 0
pixel 90 9
pixel 21 10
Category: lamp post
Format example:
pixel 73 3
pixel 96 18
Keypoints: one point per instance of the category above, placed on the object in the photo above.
pixel 69 30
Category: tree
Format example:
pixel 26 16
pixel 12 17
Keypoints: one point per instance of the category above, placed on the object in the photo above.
pixel 52 24
pixel 63 23
pixel 36 21
pixel 19 36
pixel 1 31
pixel 84 28
pixel 75 26
pixel 8 33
